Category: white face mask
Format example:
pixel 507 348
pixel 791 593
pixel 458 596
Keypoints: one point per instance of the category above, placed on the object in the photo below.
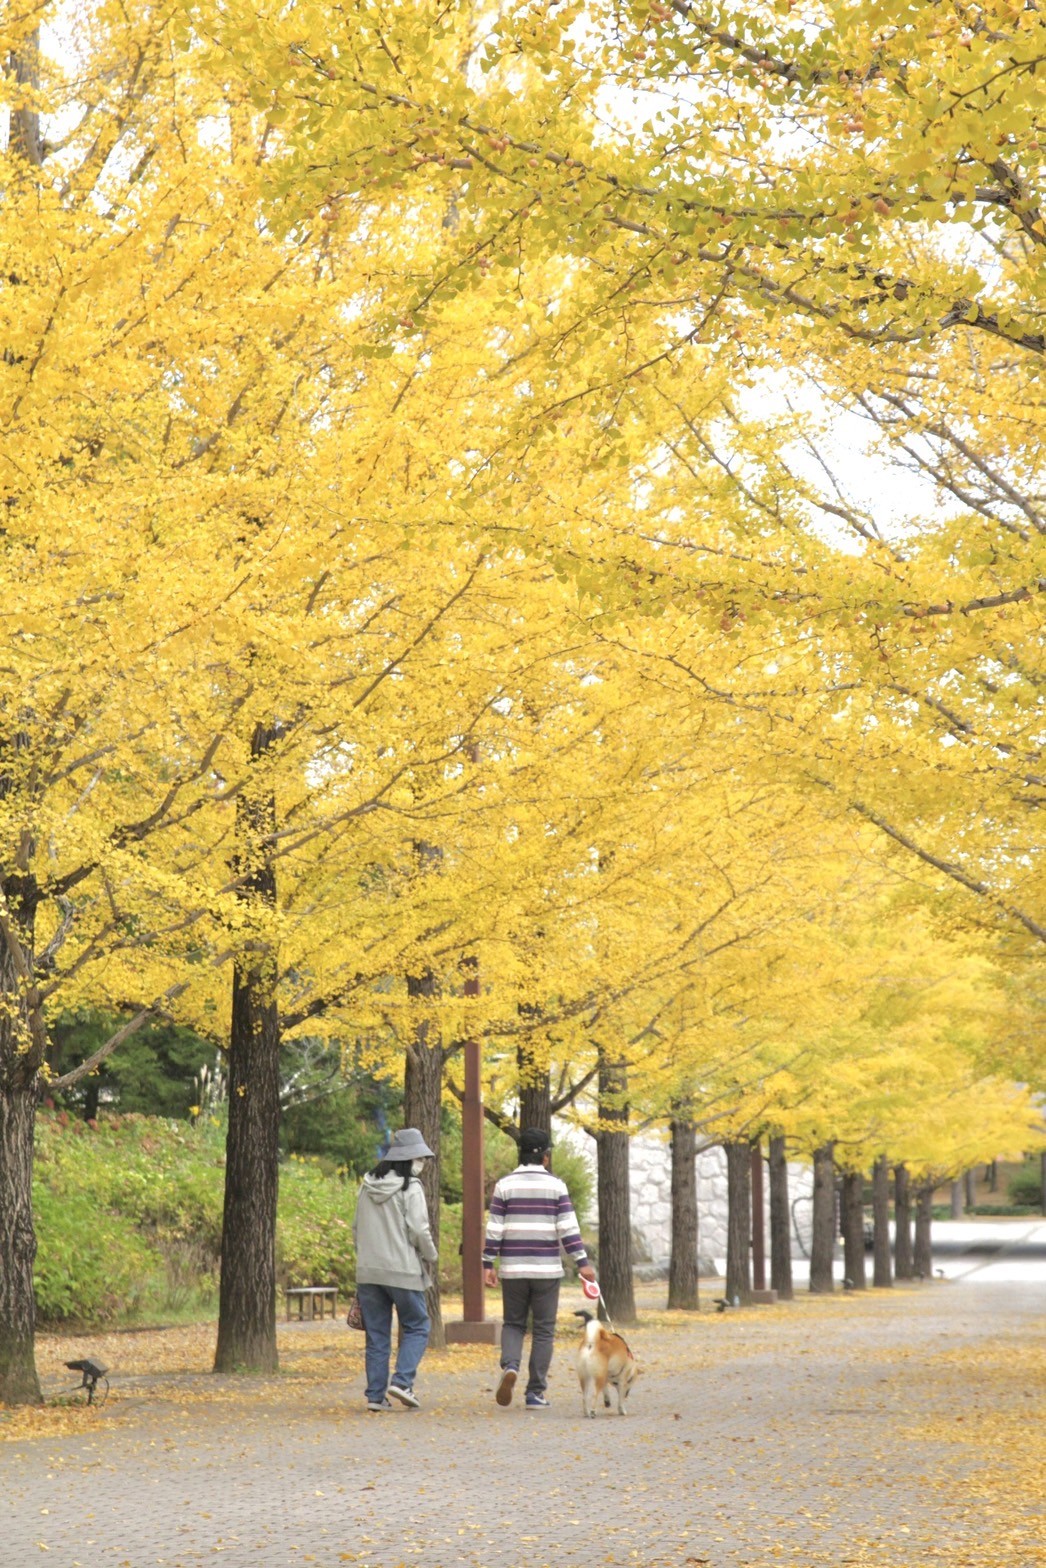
pixel 416 1167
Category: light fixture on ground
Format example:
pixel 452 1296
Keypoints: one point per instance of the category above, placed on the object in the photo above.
pixel 93 1373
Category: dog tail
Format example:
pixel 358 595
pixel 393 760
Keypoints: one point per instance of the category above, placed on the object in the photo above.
pixel 594 1332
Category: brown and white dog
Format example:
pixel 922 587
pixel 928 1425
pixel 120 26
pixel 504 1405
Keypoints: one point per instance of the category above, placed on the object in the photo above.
pixel 604 1361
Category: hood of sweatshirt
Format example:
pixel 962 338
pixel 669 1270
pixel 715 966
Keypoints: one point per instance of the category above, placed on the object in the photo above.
pixel 381 1188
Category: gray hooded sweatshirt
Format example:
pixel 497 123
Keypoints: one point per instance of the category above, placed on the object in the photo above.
pixel 391 1231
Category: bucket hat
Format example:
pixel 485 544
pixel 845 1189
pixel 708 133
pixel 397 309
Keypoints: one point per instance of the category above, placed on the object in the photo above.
pixel 408 1144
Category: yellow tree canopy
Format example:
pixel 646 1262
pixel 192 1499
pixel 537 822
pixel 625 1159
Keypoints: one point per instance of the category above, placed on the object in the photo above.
pixel 454 473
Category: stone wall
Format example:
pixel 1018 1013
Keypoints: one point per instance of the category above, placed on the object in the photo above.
pixel 651 1182
pixel 651 1185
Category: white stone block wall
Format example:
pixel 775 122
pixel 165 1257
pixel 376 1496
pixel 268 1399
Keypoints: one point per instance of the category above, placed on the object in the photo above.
pixel 650 1174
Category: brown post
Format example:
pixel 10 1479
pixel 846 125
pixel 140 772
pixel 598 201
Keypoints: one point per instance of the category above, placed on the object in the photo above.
pixel 472 1176
pixel 758 1221
pixel 474 1327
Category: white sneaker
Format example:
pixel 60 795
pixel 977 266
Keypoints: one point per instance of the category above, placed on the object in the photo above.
pixel 406 1396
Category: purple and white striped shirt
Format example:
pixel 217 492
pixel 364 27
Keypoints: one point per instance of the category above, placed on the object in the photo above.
pixel 530 1217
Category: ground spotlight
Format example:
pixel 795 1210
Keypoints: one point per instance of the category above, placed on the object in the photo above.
pixel 93 1372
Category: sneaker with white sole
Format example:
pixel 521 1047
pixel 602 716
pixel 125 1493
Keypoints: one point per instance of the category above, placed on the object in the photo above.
pixel 378 1405
pixel 507 1382
pixel 406 1396
pixel 537 1402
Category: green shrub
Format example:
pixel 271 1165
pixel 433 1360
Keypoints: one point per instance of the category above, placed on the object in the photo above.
pixel 1003 1210
pixel 129 1216
pixel 165 1176
pixel 314 1226
pixel 571 1166
pixel 450 1247
pixel 91 1266
pixel 1026 1187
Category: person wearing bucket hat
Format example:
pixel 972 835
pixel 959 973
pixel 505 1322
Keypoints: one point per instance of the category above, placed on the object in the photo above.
pixel 394 1254
pixel 531 1217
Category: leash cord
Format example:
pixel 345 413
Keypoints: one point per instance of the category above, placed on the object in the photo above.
pixel 606 1309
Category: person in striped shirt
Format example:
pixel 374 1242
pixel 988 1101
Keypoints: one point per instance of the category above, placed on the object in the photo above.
pixel 531 1217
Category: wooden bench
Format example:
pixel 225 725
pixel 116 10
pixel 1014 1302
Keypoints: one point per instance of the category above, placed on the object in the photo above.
pixel 312 1296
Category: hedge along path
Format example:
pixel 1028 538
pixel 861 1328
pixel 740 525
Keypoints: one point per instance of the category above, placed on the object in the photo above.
pixel 896 1430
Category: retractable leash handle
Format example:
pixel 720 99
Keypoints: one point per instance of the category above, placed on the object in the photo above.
pixel 594 1293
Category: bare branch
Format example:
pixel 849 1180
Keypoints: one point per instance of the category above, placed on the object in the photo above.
pixel 125 1031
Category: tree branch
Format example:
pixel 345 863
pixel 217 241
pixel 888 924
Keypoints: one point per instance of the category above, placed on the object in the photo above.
pixel 96 1058
pixel 950 869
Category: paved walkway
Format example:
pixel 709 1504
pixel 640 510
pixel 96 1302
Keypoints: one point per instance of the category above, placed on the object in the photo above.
pixel 898 1428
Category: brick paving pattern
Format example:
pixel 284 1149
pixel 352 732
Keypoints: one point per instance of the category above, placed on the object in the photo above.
pixel 755 1438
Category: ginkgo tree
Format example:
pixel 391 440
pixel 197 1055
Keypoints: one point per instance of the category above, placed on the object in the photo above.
pixel 904 1060
pixel 162 657
pixel 869 176
pixel 779 153
pixel 946 659
pixel 404 580
pixel 263 699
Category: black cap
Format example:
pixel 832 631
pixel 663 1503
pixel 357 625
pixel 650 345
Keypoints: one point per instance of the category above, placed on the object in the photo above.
pixel 533 1141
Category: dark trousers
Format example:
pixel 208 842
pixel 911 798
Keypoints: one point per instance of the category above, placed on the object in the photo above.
pixel 538 1298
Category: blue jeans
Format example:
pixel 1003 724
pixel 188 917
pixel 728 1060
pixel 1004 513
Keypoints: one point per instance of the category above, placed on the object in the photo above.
pixel 377 1302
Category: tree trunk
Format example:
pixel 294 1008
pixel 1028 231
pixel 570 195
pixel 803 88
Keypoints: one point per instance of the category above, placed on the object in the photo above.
pixel 993 1176
pixel 822 1241
pixel 423 1090
pixel 923 1256
pixel 881 1231
pixel 1042 1177
pixel 903 1266
pixel 19 1384
pixel 613 1192
pixel 956 1200
pixel 738 1222
pixel 247 1294
pixel 24 132
pixel 535 1094
pixel 422 1099
pixel 22 1051
pixel 758 1217
pixel 682 1266
pixel 247 1298
pixel 853 1229
pixel 780 1222
pixel 970 1182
